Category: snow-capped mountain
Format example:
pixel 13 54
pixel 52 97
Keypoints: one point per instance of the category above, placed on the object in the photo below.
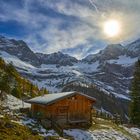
pixel 19 49
pixel 110 70
pixel 114 63
pixel 56 58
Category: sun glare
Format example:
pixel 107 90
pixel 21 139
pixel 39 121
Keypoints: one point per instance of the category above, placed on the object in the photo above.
pixel 111 28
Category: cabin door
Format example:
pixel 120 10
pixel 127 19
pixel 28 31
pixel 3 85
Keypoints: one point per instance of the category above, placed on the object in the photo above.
pixel 62 112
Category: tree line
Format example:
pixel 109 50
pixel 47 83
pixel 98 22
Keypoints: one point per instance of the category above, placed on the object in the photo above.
pixel 11 82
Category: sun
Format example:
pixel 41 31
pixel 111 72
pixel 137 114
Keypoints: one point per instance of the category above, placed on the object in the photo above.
pixel 111 28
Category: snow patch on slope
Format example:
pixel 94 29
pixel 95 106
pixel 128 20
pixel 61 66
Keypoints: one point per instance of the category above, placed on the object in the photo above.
pixel 96 134
pixel 87 68
pixel 15 103
pixel 123 60
pixel 16 61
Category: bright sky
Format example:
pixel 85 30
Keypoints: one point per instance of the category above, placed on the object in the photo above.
pixel 76 27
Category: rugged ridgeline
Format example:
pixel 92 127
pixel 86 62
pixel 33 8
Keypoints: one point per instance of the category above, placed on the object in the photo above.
pixel 109 71
pixel 58 59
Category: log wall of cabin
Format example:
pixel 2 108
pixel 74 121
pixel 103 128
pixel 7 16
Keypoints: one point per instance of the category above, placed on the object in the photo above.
pixel 77 107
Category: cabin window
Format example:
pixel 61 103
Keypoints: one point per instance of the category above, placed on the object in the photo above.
pixel 72 98
pixel 62 109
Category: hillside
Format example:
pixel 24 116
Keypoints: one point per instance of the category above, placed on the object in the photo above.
pixel 11 82
pixel 23 127
pixel 14 89
pixel 105 130
pixel 10 130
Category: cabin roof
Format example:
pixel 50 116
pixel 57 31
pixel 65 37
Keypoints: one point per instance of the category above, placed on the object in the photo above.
pixel 53 97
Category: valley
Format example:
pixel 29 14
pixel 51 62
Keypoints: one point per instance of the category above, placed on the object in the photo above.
pixel 108 72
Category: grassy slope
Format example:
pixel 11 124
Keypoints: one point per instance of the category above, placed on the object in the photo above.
pixel 12 131
pixel 106 124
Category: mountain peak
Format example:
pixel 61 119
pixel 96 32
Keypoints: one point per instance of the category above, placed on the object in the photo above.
pixel 19 49
pixel 113 47
pixel 133 49
pixel 112 51
pixel 134 45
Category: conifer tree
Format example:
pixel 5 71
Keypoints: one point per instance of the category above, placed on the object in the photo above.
pixel 45 91
pixel 4 83
pixel 31 90
pixel 16 91
pixel 135 97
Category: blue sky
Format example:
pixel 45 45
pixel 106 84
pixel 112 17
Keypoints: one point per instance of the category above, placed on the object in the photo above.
pixel 70 26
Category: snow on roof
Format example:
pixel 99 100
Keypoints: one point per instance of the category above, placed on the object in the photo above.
pixel 51 98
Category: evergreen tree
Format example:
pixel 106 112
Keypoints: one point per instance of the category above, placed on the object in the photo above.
pixel 135 97
pixel 4 82
pixel 31 90
pixel 41 92
pixel 45 91
pixel 16 91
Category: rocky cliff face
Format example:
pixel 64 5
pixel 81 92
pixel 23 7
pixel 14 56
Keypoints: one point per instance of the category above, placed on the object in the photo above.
pixel 133 49
pixel 57 58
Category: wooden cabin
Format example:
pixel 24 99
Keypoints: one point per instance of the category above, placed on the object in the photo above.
pixel 63 108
